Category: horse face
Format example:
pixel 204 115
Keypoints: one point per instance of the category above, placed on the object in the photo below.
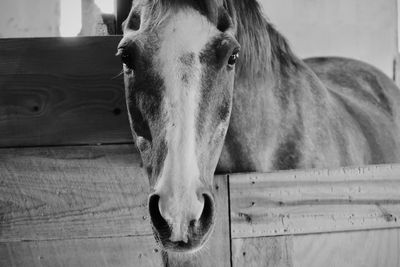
pixel 179 75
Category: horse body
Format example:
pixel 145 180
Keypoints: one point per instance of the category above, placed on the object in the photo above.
pixel 370 101
pixel 317 113
pixel 194 110
pixel 335 112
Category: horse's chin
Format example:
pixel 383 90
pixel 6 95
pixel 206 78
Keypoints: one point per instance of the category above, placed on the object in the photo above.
pixel 192 246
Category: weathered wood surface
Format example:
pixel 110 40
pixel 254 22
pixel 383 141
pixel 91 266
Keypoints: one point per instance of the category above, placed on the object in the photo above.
pixel 315 201
pixel 51 196
pixel 273 251
pixel 97 252
pixel 72 192
pixel 61 91
pixel 370 248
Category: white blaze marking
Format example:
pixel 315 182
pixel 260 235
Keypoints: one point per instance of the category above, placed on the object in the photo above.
pixel 186 33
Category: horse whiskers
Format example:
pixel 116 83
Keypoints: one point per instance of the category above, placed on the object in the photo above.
pixel 118 75
pixel 194 256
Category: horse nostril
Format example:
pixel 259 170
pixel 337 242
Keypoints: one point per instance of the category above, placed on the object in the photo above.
pixel 158 221
pixel 207 216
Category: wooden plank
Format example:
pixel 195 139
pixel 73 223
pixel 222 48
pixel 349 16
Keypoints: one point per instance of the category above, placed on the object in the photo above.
pixel 315 201
pixel 99 252
pixel 263 252
pixel 123 9
pixel 64 193
pixel 368 248
pixel 61 91
pixel 72 192
pixel 347 249
pixel 217 251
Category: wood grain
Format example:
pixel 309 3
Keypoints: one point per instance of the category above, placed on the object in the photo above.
pixel 51 196
pixel 263 252
pixel 369 248
pixel 61 91
pixel 98 252
pixel 348 249
pixel 315 201
pixel 72 192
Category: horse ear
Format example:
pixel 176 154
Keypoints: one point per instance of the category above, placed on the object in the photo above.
pixel 133 20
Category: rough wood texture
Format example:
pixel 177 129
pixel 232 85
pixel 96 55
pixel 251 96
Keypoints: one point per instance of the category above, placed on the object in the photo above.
pixel 348 249
pixel 263 252
pixel 315 201
pixel 61 91
pixel 368 248
pixel 72 192
pixel 99 252
pixel 97 194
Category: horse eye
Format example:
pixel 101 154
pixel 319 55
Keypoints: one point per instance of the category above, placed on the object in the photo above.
pixel 233 59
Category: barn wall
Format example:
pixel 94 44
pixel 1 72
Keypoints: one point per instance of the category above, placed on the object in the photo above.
pixel 41 18
pixel 361 29
pixel 86 205
pixel 92 22
pixel 27 18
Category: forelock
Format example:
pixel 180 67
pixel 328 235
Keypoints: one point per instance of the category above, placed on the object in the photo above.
pixel 208 8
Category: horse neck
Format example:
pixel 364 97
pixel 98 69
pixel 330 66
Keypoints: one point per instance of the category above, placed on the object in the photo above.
pixel 270 88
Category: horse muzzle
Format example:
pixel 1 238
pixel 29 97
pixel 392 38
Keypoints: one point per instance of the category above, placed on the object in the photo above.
pixel 183 229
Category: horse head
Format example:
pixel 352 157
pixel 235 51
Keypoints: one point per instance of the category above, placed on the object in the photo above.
pixel 179 63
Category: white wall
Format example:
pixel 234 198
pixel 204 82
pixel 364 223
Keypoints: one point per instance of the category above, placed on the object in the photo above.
pixel 29 18
pixel 41 18
pixel 361 29
pixel 92 22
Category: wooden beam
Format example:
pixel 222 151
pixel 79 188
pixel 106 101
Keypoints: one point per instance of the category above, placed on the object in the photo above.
pixel 315 201
pixel 61 91
pixel 123 9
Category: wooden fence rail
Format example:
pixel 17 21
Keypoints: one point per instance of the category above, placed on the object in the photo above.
pixel 68 205
pixel 317 217
pixel 315 201
pixel 85 202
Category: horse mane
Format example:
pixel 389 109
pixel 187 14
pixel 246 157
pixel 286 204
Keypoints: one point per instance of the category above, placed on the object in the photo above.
pixel 209 8
pixel 263 47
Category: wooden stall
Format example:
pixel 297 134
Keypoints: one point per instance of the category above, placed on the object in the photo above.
pixel 72 192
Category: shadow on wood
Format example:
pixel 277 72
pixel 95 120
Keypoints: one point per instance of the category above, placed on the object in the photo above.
pixel 61 91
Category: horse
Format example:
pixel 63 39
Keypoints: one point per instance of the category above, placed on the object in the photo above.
pixel 212 87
